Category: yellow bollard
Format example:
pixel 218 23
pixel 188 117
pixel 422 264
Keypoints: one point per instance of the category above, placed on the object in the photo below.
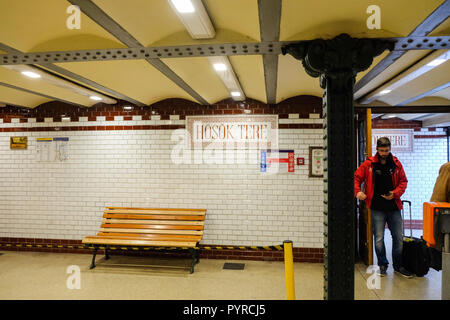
pixel 289 270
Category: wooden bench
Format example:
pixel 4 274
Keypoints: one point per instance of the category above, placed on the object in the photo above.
pixel 146 227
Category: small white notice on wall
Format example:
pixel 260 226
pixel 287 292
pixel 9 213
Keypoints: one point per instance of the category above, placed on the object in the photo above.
pixel 44 150
pixel 61 148
pixel 52 149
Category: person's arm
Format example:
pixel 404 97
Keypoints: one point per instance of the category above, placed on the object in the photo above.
pixel 403 182
pixel 360 175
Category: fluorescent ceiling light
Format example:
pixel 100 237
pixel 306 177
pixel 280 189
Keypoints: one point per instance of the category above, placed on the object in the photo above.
pixel 228 77
pixel 193 15
pixel 96 98
pixel 220 67
pixel 417 70
pixel 183 6
pixel 31 74
pixel 436 62
pixel 59 82
pixel 388 116
pixel 127 108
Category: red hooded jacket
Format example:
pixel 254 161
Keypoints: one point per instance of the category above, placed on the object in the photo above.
pixel 365 174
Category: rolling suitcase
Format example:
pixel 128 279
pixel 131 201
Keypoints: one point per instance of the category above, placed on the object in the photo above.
pixel 415 255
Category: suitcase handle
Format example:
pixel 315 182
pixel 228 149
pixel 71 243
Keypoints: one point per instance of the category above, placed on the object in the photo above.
pixel 410 217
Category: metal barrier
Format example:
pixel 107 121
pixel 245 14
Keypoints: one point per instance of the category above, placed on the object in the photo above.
pixel 289 270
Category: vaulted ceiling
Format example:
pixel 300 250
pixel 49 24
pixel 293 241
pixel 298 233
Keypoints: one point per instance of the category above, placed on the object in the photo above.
pixel 248 32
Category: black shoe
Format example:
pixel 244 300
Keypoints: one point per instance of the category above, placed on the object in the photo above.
pixel 383 270
pixel 405 273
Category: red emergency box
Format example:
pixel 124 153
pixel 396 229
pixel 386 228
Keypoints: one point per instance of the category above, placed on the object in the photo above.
pixel 430 211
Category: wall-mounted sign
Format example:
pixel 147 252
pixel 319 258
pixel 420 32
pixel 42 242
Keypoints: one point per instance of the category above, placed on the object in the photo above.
pixel 277 161
pixel 61 147
pixel 51 149
pixel 401 139
pixel 300 161
pixel 18 142
pixel 233 132
pixel 44 150
pixel 315 161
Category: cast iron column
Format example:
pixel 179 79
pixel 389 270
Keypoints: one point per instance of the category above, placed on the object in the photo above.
pixel 336 62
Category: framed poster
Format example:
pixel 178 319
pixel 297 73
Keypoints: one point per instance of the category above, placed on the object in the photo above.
pixel 315 162
pixel 18 142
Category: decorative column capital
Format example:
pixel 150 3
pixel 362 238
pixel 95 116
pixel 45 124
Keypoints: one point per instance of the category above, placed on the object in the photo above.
pixel 338 56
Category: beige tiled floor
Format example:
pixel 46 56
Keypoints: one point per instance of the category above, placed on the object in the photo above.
pixel 32 275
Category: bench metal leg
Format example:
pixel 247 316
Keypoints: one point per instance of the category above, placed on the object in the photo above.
pixel 197 255
pixel 193 259
pixel 106 253
pixel 93 258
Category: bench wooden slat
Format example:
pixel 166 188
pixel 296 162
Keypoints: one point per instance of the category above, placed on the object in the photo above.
pixel 129 242
pixel 158 237
pixel 156 211
pixel 146 226
pixel 199 224
pixel 157 231
pixel 153 217
pixel 162 209
pixel 126 224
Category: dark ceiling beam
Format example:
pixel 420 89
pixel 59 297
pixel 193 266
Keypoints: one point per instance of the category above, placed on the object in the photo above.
pixel 199 50
pixel 39 94
pixel 83 82
pixel 429 24
pixel 269 22
pixel 425 94
pixel 102 89
pixel 106 22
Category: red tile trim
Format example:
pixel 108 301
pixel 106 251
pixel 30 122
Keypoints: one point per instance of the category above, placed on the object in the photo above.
pixel 314 255
pixel 93 128
pixel 302 105
pixel 300 126
pixel 395 123
pixel 142 127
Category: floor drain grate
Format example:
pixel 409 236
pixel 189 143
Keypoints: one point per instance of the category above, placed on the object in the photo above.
pixel 234 266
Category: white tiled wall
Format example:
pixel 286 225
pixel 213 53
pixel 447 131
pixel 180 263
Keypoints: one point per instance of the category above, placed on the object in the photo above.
pixel 65 200
pixel 422 168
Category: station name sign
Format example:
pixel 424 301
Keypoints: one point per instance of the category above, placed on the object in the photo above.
pixel 237 132
pixel 401 139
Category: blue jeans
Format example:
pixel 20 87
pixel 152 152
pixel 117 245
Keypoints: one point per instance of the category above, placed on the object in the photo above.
pixel 395 225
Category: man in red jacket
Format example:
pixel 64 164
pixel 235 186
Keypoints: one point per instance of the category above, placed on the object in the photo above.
pixel 385 182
